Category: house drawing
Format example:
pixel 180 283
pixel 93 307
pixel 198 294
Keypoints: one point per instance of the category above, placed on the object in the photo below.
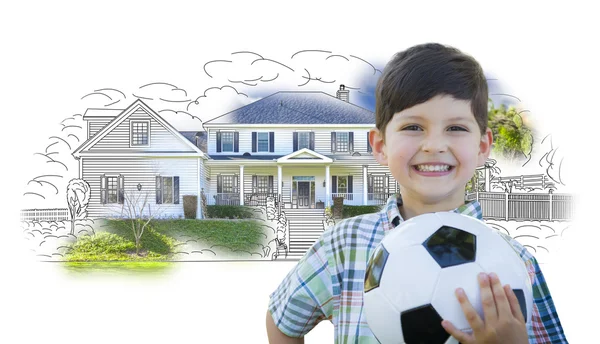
pixel 303 148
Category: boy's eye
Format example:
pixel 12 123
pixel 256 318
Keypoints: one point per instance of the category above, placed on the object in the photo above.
pixel 412 127
pixel 457 128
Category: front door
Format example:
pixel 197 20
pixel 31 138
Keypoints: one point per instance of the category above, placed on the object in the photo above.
pixel 303 194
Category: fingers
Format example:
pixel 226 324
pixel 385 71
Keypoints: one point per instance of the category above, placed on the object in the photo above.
pixel 515 307
pixel 471 315
pixel 502 304
pixel 462 337
pixel 488 303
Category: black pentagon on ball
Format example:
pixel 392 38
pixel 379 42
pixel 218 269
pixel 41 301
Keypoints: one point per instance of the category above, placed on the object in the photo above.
pixel 423 325
pixel 521 297
pixel 375 268
pixel 451 246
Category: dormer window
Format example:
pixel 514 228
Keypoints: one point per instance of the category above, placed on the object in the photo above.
pixel 140 133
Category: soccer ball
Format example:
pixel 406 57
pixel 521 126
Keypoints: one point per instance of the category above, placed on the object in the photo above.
pixel 412 275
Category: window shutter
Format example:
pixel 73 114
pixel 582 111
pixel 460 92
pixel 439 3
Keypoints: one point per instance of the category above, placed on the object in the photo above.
pixel 176 190
pixel 271 184
pixel 370 187
pixel 219 183
pixel 369 149
pixel 349 184
pixel 386 180
pixel 103 191
pixel 295 141
pixel 333 184
pixel 159 190
pixel 254 184
pixel 271 141
pixel 333 142
pixel 312 140
pixel 218 141
pixel 254 144
pixel 351 141
pixel 121 189
pixel 235 184
pixel 236 142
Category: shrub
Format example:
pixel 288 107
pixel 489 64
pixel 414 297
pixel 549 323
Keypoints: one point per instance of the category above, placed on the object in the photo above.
pixel 229 212
pixel 190 206
pixel 102 243
pixel 355 210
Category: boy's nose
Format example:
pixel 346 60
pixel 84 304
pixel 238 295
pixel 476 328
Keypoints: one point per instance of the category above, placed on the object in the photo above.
pixel 434 144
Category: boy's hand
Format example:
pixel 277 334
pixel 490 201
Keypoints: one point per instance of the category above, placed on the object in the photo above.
pixel 504 321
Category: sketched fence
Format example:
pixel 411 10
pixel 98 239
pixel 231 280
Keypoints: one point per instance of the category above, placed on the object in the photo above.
pixel 524 206
pixel 56 214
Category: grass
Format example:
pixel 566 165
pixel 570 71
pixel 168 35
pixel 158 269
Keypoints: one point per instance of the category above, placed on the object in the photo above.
pixel 119 266
pixel 115 242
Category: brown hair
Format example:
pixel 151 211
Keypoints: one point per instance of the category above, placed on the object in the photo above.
pixel 421 72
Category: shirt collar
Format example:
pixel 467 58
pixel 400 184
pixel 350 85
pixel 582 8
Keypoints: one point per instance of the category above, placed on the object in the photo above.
pixel 393 218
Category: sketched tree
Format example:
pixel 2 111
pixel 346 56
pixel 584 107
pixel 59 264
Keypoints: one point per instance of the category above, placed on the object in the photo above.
pixel 138 210
pixel 78 197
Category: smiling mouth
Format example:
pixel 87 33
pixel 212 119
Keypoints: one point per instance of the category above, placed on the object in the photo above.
pixel 433 168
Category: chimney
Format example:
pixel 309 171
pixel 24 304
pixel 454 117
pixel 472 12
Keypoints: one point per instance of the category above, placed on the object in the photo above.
pixel 343 94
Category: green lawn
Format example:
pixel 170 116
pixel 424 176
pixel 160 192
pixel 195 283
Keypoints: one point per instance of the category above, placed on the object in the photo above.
pixel 113 246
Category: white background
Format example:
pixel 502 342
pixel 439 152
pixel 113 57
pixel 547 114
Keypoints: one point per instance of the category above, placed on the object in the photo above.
pixel 55 52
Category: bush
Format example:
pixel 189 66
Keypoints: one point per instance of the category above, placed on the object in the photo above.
pixel 229 212
pixel 190 206
pixel 102 243
pixel 355 210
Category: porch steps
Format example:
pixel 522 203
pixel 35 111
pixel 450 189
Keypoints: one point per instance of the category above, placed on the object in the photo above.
pixel 306 226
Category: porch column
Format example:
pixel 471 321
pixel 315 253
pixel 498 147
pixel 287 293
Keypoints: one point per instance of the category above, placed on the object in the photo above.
pixel 241 184
pixel 327 186
pixel 279 180
pixel 365 185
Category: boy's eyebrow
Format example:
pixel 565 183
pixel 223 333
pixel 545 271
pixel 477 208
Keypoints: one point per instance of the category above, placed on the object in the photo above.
pixel 451 119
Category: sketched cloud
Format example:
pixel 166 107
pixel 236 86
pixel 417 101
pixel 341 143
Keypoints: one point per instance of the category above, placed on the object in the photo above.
pixel 54 165
pixel 303 70
pixel 162 91
pixel 103 97
pixel 216 101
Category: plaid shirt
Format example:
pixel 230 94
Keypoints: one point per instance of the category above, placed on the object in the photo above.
pixel 327 283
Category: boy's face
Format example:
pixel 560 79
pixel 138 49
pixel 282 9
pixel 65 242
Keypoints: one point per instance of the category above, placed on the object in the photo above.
pixel 432 149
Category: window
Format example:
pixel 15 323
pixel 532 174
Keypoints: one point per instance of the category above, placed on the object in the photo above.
pixel 263 184
pixel 342 184
pixel 167 190
pixel 341 142
pixel 227 141
pixel 112 190
pixel 303 140
pixel 228 185
pixel 140 133
pixel 263 142
pixel 377 187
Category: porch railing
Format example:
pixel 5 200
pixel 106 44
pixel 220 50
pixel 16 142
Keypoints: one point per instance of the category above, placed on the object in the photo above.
pixel 223 199
pixel 258 199
pixel 357 198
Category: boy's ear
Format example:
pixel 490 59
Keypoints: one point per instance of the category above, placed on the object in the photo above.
pixel 485 146
pixel 378 146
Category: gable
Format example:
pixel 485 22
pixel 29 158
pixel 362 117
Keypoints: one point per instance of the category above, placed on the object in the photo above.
pixel 304 155
pixel 117 137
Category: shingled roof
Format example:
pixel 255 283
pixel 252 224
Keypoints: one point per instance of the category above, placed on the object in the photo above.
pixel 297 108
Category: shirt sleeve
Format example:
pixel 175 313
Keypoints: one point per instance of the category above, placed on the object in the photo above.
pixel 545 324
pixel 304 297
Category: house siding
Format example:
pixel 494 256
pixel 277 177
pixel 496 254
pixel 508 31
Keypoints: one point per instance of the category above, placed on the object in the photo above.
pixel 161 140
pixel 144 172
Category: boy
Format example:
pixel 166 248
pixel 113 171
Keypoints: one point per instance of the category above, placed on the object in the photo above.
pixel 431 131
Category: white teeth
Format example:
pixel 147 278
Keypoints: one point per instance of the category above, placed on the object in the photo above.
pixel 433 168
